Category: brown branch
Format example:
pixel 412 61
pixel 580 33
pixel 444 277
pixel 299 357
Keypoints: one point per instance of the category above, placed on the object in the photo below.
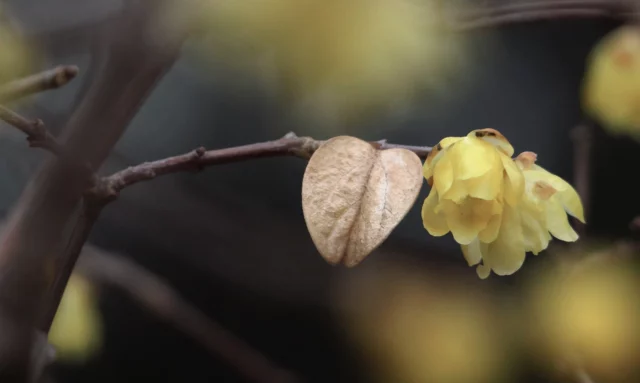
pixel 543 10
pixel 159 297
pixel 32 245
pixel 50 79
pixel 289 145
pixel 37 135
pixel 89 214
pixel 582 137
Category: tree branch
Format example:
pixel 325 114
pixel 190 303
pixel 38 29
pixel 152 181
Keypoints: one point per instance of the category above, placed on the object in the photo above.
pixel 289 145
pixel 90 211
pixel 540 10
pixel 582 137
pixel 32 245
pixel 50 79
pixel 159 297
pixel 37 135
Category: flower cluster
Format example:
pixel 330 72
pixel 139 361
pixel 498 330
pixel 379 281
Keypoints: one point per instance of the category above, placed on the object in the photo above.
pixel 497 208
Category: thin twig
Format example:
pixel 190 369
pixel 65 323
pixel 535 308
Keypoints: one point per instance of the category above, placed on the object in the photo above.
pixel 543 10
pixel 289 145
pixel 50 79
pixel 158 296
pixel 37 135
pixel 582 136
pixel 510 7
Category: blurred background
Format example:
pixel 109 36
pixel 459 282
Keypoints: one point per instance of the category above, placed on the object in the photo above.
pixel 232 241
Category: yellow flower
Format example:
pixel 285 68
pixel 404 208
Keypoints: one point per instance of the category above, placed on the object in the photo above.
pixel 475 188
pixel 611 90
pixel 496 208
pixel 16 59
pixel 76 332
pixel 339 59
pixel 548 199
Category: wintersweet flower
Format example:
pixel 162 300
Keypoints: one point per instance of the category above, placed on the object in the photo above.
pixel 497 208
pixel 611 87
pixel 548 200
pixel 530 225
pixel 472 179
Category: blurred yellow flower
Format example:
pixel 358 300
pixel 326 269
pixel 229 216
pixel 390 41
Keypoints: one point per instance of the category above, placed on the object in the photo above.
pixel 586 314
pixel 496 208
pixel 475 190
pixel 424 329
pixel 15 60
pixel 336 59
pixel 611 89
pixel 76 332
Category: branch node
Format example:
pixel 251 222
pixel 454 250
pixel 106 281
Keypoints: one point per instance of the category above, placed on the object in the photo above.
pixel 290 135
pixel 199 152
pixel 149 173
pixel 64 74
pixel 102 192
pixel 307 148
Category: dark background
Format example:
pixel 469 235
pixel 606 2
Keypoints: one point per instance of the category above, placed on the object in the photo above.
pixel 232 239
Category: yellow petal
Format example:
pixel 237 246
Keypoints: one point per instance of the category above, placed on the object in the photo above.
pixel 483 271
pixel 436 154
pixel 443 174
pixel 571 202
pixel 467 219
pixel 488 186
pixel 514 182
pixel 473 252
pixel 458 192
pixel 491 231
pixel 567 195
pixel 558 222
pixel 506 254
pixel 494 138
pixel 473 158
pixel 543 190
pixel 535 234
pixel 435 223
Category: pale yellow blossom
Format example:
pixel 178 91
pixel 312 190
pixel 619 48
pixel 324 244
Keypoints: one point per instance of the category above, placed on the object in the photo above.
pixel 76 332
pixel 336 59
pixel 611 89
pixel 548 200
pixel 475 188
pixel 496 208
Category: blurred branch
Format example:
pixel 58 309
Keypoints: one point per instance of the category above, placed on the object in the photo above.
pixel 37 135
pixel 32 245
pixel 583 377
pixel 154 293
pixel 539 10
pixel 582 137
pixel 90 211
pixel 289 145
pixel 50 79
